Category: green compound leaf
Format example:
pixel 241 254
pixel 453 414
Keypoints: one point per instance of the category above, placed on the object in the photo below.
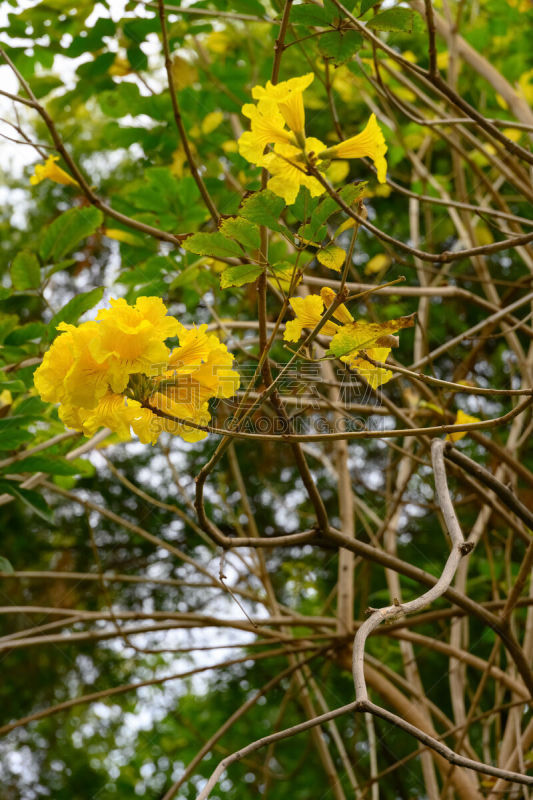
pixel 309 14
pixel 6 566
pixel 366 4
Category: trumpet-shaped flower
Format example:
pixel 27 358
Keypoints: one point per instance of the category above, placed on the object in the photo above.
pixel 370 142
pixel 288 96
pixel 308 312
pixel 182 413
pixel 288 169
pixel 134 336
pixel 114 411
pixel 200 368
pixel 267 127
pixel 195 346
pixel 341 312
pixel 50 170
pixel 117 372
pixel 69 373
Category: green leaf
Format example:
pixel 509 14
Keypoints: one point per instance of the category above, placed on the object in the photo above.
pixel 67 230
pixel 332 13
pixel 99 66
pixel 366 5
pixel 264 208
pixel 73 310
pixel 12 438
pixel 32 499
pixel 48 464
pixel 25 271
pixel 42 85
pixel 245 232
pixel 309 14
pixel 137 58
pixel 314 231
pixel 340 46
pixel 5 565
pixel 393 19
pixel 215 245
pixel 239 275
pixel 13 386
pixel 12 432
pixel 32 330
pixel 59 266
pixel 7 323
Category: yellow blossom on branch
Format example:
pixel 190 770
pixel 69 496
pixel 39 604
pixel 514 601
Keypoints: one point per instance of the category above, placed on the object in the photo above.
pixel 267 127
pixel 118 372
pixel 461 418
pixel 288 96
pixel 341 312
pixel 287 166
pixel 293 157
pixel 50 170
pixel 370 142
pixel 308 312
pixel 355 343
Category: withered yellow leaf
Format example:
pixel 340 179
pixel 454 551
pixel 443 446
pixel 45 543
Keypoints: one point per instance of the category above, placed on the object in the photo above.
pixel 332 257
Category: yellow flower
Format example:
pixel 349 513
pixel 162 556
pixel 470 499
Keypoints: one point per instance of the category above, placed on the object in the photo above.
pixel 49 377
pixel 134 336
pixel 378 263
pixel 116 371
pixel 200 368
pixel 461 419
pixel 370 142
pixel 267 127
pixel 181 411
pixel 341 312
pixel 308 312
pixel 88 378
pixel 50 170
pixel 114 411
pixel 69 373
pixel 146 425
pixel 375 376
pixel 288 169
pixel 211 122
pixel 288 97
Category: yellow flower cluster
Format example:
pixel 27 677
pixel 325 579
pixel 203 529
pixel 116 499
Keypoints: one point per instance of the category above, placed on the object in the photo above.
pixel 281 105
pixel 117 372
pixel 363 339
